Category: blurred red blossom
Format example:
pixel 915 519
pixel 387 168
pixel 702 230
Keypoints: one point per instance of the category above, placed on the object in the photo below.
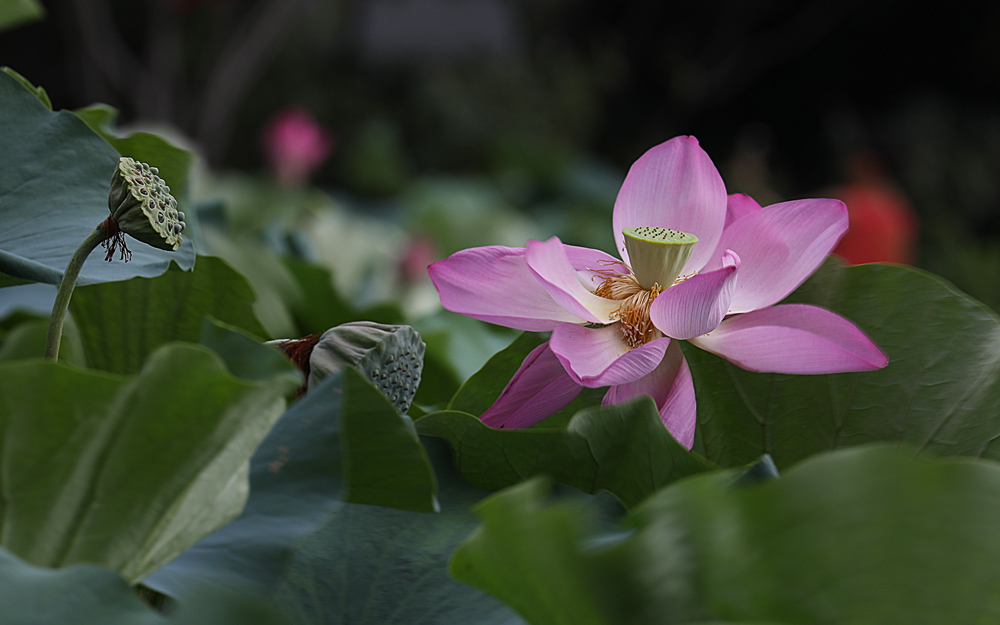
pixel 883 225
pixel 295 144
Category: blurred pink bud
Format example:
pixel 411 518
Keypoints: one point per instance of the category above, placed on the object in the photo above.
pixel 419 253
pixel 295 145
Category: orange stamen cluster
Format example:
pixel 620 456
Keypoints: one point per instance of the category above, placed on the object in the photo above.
pixel 633 313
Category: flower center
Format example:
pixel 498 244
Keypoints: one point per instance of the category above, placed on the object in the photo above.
pixel 657 255
pixel 633 313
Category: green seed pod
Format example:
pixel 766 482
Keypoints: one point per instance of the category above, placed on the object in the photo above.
pixel 372 348
pixel 141 204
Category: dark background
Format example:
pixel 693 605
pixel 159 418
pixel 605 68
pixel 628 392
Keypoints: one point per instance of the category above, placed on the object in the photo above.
pixel 780 93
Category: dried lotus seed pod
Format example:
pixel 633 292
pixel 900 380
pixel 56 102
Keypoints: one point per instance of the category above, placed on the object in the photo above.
pixel 141 205
pixel 390 356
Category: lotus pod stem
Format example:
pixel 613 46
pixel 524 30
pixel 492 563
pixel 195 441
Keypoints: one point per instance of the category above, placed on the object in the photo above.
pixel 65 292
pixel 141 206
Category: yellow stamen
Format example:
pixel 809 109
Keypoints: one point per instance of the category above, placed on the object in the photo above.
pixel 633 313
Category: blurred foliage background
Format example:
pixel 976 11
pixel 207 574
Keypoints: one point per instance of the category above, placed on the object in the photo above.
pixel 427 126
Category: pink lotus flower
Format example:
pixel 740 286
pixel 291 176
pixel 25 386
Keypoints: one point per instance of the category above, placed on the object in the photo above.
pixel 295 145
pixel 695 265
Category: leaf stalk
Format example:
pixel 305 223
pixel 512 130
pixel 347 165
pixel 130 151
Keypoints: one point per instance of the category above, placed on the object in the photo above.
pixel 65 292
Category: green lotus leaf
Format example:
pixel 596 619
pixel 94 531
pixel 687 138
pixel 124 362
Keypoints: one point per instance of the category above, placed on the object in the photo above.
pixel 623 449
pixel 939 391
pixel 323 560
pixel 85 593
pixel 126 472
pixel 858 536
pixel 121 323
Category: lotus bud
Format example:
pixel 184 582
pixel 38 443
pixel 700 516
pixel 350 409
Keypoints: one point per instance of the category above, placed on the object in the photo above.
pixel 141 205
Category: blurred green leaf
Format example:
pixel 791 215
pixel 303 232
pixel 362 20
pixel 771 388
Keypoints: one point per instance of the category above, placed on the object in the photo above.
pixel 6 280
pixel 146 465
pixel 326 561
pixel 529 555
pixel 439 381
pixel 262 268
pixel 623 449
pixel 173 163
pixel 461 212
pixel 26 340
pixel 245 357
pixel 461 346
pixel 54 179
pixel 14 13
pixel 939 392
pixel 121 323
pixel 320 307
pixel 867 535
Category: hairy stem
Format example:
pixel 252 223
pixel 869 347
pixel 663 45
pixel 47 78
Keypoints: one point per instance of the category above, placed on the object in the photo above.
pixel 66 292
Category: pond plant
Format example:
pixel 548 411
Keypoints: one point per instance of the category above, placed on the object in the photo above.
pixel 646 450
pixel 615 323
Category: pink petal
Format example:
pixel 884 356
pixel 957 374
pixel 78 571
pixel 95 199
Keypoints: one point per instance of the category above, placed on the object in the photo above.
pixel 539 389
pixel 672 389
pixel 494 284
pixel 781 245
pixel 793 338
pixel 596 357
pixel 698 304
pixel 674 185
pixel 739 205
pixel 550 264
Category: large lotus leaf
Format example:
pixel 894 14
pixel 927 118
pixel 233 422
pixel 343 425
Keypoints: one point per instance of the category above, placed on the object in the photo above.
pixel 85 593
pixel 623 449
pixel 939 392
pixel 54 179
pixel 126 472
pixel 121 323
pixel 173 163
pixel 866 535
pixel 26 340
pixel 383 460
pixel 327 561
